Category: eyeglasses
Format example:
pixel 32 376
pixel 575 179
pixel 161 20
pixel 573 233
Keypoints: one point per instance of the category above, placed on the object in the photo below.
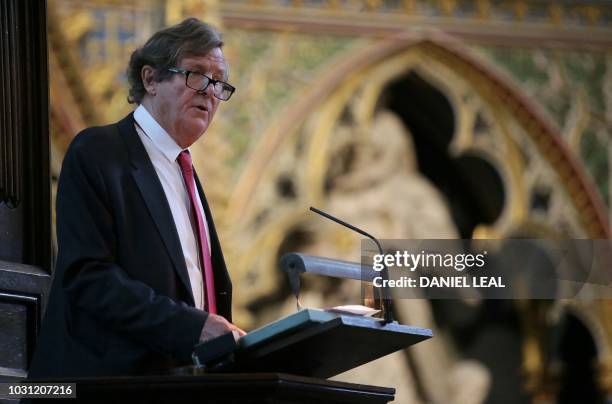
pixel 199 82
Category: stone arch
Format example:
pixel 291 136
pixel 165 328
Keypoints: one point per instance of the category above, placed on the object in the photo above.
pixel 491 84
pixel 295 148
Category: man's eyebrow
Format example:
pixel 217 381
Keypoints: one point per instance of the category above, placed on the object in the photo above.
pixel 200 68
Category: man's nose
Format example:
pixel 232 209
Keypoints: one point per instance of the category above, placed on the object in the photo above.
pixel 206 90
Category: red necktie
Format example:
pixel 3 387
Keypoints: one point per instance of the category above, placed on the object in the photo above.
pixel 184 160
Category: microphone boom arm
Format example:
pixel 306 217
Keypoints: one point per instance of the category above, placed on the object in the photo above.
pixel 386 298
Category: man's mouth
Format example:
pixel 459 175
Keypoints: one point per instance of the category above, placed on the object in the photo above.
pixel 201 108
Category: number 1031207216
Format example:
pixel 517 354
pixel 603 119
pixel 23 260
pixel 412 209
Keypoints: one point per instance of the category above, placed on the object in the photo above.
pixel 37 390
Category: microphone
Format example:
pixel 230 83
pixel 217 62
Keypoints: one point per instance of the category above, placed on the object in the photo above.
pixel 387 306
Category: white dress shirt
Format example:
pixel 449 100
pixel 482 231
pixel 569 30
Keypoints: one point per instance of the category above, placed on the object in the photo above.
pixel 163 152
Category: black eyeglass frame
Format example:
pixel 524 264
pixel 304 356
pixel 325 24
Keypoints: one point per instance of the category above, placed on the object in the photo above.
pixel 212 81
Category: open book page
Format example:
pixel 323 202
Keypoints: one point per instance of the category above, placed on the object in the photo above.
pixel 354 309
pixel 236 335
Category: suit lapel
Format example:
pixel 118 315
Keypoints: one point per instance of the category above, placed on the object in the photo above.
pixel 152 192
pixel 223 285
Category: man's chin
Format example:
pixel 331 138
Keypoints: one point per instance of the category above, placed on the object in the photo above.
pixel 197 128
pixel 202 125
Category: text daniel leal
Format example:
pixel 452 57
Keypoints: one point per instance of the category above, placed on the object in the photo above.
pixel 441 281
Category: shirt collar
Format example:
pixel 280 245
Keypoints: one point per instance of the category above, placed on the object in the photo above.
pixel 158 135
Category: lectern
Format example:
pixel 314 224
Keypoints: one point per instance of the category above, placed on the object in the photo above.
pixel 287 361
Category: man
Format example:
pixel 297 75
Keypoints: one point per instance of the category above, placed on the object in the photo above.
pixel 140 277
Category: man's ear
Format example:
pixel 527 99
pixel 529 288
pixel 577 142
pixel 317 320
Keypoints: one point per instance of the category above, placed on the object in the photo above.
pixel 147 74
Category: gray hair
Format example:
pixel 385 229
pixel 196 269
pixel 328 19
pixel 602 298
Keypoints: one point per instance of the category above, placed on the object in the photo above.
pixel 166 49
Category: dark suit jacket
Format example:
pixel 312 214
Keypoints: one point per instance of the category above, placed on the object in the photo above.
pixel 121 301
